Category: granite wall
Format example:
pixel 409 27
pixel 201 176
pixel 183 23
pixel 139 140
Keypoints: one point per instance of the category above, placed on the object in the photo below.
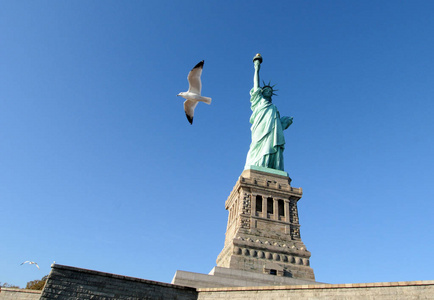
pixel 73 283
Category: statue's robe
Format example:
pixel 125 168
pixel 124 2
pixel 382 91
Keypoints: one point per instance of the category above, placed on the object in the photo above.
pixel 268 142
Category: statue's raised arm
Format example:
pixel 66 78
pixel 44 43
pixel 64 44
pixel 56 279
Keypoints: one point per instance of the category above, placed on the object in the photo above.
pixel 268 142
pixel 257 60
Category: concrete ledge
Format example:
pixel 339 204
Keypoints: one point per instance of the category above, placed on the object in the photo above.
pixel 322 286
pixel 13 290
pixel 19 294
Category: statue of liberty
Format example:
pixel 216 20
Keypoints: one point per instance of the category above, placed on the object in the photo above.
pixel 268 142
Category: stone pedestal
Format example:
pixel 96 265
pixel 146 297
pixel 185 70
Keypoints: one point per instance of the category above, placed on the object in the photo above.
pixel 263 231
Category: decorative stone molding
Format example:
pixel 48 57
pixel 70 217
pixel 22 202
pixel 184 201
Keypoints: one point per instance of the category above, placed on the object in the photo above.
pixel 266 231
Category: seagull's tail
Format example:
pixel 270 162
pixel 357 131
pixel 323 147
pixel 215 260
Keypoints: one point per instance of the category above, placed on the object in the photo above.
pixel 207 100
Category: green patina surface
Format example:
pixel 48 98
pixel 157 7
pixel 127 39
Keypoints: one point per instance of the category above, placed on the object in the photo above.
pixel 268 142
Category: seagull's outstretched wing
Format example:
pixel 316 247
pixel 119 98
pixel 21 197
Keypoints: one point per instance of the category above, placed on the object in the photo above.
pixel 195 85
pixel 30 263
pixel 189 107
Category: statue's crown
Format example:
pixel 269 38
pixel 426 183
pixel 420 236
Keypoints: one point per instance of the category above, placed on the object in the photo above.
pixel 270 87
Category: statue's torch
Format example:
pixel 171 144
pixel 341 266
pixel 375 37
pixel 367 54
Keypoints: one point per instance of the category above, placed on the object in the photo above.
pixel 258 57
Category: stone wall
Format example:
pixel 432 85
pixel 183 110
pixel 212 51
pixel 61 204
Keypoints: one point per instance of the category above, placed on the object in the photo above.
pixel 74 283
pixel 66 282
pixel 380 290
pixel 19 294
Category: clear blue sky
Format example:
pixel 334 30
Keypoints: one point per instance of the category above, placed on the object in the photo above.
pixel 100 169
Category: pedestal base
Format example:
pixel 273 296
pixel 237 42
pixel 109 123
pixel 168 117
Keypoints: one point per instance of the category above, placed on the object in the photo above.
pixel 225 277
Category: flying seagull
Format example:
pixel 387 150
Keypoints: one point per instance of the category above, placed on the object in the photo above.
pixel 30 263
pixel 193 96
